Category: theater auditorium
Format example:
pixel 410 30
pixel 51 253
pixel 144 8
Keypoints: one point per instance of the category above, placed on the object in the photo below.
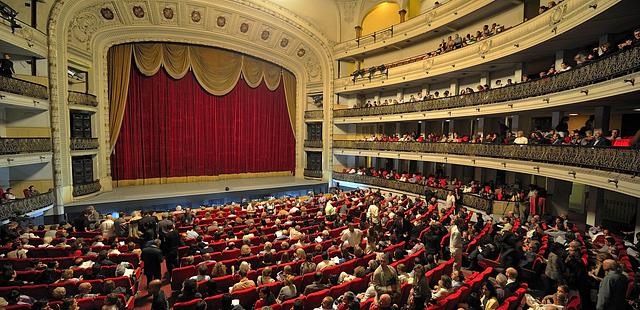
pixel 319 154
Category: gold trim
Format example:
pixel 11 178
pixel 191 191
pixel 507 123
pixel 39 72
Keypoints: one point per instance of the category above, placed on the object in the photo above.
pixel 202 178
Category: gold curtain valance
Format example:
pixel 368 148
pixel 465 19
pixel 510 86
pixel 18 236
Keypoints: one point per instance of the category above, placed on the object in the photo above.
pixel 216 70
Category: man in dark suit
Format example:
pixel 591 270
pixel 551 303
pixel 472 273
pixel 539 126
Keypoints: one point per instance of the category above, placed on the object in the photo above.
pixel 512 282
pixel 6 66
pixel 148 225
pixel 170 247
pixel 152 258
pixel 599 140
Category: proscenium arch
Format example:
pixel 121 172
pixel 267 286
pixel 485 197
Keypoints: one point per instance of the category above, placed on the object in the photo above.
pixel 101 40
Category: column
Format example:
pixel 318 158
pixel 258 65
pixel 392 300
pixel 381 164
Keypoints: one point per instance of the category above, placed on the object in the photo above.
pixel 513 122
pixel 3 122
pixel 477 173
pixel 376 97
pixel 480 126
pixel 559 58
pixel 403 15
pixel 453 87
pixel 556 116
pixel 558 201
pixel 602 117
pixel 595 198
pixel 419 167
pixel 517 73
pixel 448 170
pixel 400 94
pixel 485 78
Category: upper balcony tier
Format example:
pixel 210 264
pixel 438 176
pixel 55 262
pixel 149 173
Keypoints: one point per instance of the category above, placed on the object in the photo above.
pixel 439 21
pixel 571 24
pixel 606 77
pixel 23 94
pixel 23 40
pixel 611 168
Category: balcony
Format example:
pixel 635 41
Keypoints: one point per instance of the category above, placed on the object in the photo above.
pixel 86 189
pixel 428 24
pixel 470 200
pixel 315 115
pixel 23 88
pixel 315 144
pixel 80 144
pixel 626 160
pixel 20 207
pixel 83 99
pixel 24 145
pixel 616 65
pixel 312 173
pixel 563 24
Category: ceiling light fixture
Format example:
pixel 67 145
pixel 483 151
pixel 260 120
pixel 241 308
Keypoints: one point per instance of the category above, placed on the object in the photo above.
pixel 573 114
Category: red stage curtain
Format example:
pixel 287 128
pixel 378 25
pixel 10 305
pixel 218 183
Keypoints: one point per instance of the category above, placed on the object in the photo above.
pixel 173 128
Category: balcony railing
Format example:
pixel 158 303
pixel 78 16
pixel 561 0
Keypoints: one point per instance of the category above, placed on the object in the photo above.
pixel 616 159
pixel 22 206
pixel 313 173
pixel 78 144
pixel 470 200
pixel 23 88
pixel 86 189
pixel 24 145
pixel 313 143
pixel 616 65
pixel 315 114
pixel 82 99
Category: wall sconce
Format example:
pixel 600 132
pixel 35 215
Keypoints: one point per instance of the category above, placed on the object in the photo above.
pixel 516 45
pixel 510 105
pixel 614 181
pixel 546 100
pixel 473 161
pixel 445 159
pixel 477 109
pixel 504 165
pixel 586 92
pixel 572 173
pixel 536 168
pixel 593 6
pixel 631 81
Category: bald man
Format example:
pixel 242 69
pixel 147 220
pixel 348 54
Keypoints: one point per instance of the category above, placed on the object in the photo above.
pixel 383 303
pixel 613 287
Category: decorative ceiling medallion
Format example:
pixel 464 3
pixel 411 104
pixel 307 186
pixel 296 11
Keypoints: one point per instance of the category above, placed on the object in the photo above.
pixel 221 21
pixel 284 42
pixel 265 35
pixel 301 52
pixel 196 17
pixel 167 13
pixel 138 11
pixel 106 13
pixel 244 27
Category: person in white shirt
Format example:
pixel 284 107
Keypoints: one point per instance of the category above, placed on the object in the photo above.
pixel 455 243
pixel 451 200
pixel 373 214
pixel 327 304
pixel 107 227
pixel 352 236
pixel 520 138
pixel 329 209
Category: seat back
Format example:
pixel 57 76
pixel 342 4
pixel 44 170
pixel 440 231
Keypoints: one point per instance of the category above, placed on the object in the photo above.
pixel 315 299
pixel 179 275
pixel 247 297
pixel 187 305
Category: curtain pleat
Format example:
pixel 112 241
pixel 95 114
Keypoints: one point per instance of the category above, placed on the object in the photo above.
pixel 176 60
pixel 290 94
pixel 119 72
pixel 149 57
pixel 217 70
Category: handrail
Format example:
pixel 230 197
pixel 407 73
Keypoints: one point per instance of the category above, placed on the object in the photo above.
pixel 86 189
pixel 615 65
pixel 313 114
pixel 313 143
pixel 24 88
pixel 82 99
pixel 19 207
pixel 24 145
pixel 312 173
pixel 627 160
pixel 470 200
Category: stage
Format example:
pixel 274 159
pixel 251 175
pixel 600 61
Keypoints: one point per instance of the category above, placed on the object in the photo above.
pixel 167 196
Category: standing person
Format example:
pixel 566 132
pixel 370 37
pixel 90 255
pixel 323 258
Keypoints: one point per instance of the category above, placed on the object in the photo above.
pixel 172 242
pixel 120 225
pixel 421 291
pixel 385 278
pixel 92 216
pixel 163 226
pixel 451 200
pixel 352 236
pixel 148 225
pixel 6 66
pixel 159 301
pixel 107 227
pixel 455 242
pixel 613 287
pixel 152 258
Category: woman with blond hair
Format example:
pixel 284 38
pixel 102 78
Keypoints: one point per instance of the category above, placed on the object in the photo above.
pixel 245 251
pixel 288 291
pixel 265 278
pixel 219 270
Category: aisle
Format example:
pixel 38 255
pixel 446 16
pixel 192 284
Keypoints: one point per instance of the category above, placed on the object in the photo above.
pixel 143 301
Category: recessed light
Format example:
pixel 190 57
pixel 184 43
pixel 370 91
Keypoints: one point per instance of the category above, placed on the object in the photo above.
pixel 638 109
pixel 447 120
pixel 573 114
